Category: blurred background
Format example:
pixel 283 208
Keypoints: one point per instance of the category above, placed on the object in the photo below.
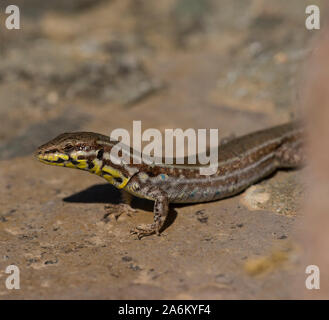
pixel 97 65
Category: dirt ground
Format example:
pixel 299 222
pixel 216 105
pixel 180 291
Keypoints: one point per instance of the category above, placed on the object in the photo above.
pixel 98 65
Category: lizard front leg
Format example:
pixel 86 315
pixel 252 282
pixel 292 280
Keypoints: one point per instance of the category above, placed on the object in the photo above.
pixel 161 208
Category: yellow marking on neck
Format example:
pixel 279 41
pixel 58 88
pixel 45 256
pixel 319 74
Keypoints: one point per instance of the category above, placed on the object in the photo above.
pixel 82 164
pixel 115 174
pixel 123 184
pixel 97 167
pixel 111 180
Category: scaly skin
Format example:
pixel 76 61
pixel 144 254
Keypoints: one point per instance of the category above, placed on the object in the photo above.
pixel 241 162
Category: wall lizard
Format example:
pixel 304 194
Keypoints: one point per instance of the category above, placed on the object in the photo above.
pixel 242 161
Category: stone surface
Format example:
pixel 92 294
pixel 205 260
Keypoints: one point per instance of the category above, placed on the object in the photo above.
pixel 231 65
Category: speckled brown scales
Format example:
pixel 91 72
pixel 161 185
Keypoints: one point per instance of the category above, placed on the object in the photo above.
pixel 241 162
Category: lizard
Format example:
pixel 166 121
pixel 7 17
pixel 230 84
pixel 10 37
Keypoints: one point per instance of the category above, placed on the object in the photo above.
pixel 242 161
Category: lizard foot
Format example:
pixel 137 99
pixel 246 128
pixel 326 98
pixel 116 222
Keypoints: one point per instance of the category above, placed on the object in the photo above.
pixel 145 230
pixel 117 210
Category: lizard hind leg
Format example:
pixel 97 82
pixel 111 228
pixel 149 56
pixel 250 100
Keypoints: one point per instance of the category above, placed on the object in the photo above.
pixel 290 155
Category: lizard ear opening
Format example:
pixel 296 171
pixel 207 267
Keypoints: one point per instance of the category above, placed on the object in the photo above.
pixel 100 153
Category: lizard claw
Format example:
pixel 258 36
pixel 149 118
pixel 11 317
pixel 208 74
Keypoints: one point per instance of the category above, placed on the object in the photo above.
pixel 144 230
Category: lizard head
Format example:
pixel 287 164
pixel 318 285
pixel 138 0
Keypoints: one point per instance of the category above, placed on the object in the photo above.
pixel 86 151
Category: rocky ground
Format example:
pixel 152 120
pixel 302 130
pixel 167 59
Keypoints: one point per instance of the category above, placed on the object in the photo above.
pixel 99 65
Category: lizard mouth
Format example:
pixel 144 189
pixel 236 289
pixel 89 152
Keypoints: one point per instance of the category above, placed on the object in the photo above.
pixel 52 158
pixel 60 160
